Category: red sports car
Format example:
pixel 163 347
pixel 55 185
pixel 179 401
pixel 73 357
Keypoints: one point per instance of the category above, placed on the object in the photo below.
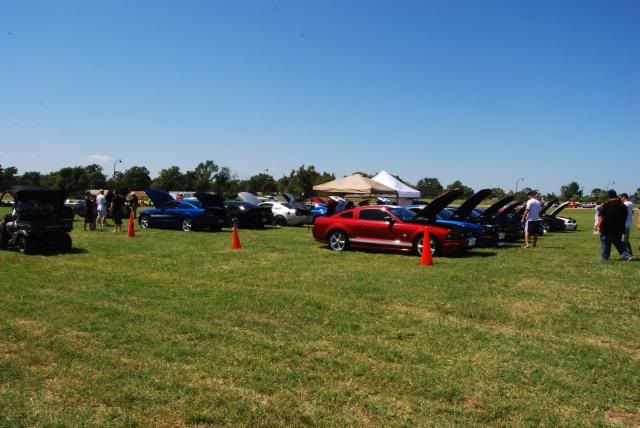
pixel 389 227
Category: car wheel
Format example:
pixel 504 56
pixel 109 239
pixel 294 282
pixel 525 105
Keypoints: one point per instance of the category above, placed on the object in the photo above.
pixel 25 245
pixel 186 224
pixel 338 241
pixel 144 221
pixel 419 242
pixel 64 243
pixel 280 221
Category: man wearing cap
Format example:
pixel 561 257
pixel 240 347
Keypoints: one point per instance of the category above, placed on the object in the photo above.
pixel 612 220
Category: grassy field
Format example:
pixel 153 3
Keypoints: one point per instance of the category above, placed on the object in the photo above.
pixel 175 329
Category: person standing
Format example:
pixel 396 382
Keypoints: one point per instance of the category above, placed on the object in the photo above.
pixel 612 222
pixel 101 203
pixel 629 224
pixel 531 219
pixel 89 212
pixel 133 203
pixel 117 203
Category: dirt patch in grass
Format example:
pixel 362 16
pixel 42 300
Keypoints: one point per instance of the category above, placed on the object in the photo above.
pixel 621 418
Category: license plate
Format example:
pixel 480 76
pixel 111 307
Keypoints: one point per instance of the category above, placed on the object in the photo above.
pixel 501 235
pixel 471 242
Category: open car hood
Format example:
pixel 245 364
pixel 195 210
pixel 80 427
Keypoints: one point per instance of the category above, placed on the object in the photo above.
pixel 25 193
pixel 249 197
pixel 547 205
pixel 493 209
pixel 441 202
pixel 289 197
pixel 560 208
pixel 508 209
pixel 209 200
pixel 158 197
pixel 464 210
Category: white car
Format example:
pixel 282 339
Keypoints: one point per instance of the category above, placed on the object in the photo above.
pixel 569 223
pixel 285 214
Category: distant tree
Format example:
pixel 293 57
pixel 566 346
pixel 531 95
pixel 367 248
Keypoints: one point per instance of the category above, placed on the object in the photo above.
pixel 467 191
pixel 204 176
pixel 94 177
pixel 570 191
pixel 169 179
pixel 522 193
pixel 498 193
pixel 550 196
pixel 30 178
pixel 136 178
pixel 262 183
pixel 429 187
pixel 302 180
pixel 8 177
pixel 223 180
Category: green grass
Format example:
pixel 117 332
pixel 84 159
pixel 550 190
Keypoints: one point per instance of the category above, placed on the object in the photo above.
pixel 176 329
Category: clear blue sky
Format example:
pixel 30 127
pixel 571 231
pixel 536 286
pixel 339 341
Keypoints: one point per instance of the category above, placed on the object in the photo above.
pixel 481 91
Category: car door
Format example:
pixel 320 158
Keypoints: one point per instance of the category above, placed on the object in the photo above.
pixel 372 227
pixel 167 215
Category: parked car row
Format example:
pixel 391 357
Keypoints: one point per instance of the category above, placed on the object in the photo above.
pixel 452 228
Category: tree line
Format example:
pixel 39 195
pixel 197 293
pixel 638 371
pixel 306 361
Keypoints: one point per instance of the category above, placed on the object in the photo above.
pixel 207 176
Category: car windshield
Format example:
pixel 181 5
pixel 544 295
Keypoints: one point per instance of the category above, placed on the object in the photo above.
pixel 403 214
pixel 445 214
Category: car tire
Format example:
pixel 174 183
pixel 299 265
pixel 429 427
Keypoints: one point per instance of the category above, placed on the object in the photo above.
pixel 186 224
pixel 64 243
pixel 280 221
pixel 25 245
pixel 338 241
pixel 144 221
pixel 435 245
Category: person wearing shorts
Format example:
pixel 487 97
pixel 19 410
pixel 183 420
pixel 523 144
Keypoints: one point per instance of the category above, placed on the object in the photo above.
pixel 531 219
pixel 101 208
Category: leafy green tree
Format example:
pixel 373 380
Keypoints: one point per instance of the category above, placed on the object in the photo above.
pixel 302 180
pixel 204 176
pixel 8 177
pixel 169 179
pixel 136 178
pixel 429 187
pixel 467 191
pixel 498 193
pixel 262 183
pixel 570 191
pixel 30 178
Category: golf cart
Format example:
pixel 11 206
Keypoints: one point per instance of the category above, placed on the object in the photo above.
pixel 38 221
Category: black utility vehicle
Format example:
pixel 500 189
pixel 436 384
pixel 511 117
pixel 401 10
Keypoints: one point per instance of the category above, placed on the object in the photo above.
pixel 38 221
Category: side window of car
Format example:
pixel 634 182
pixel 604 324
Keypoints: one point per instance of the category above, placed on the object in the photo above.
pixel 347 214
pixel 375 215
pixel 266 206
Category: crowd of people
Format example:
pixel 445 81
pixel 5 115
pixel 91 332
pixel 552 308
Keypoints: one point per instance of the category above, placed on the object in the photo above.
pixel 110 204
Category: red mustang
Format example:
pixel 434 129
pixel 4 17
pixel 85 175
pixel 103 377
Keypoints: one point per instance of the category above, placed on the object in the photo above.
pixel 389 227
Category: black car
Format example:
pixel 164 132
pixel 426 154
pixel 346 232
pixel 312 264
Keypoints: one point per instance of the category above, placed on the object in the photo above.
pixel 39 221
pixel 492 232
pixel 247 215
pixel 550 223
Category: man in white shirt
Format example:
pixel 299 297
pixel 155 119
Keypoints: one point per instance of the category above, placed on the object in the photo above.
pixel 101 205
pixel 531 219
pixel 625 238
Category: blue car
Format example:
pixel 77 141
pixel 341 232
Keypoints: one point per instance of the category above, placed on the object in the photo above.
pixel 202 211
pixel 437 212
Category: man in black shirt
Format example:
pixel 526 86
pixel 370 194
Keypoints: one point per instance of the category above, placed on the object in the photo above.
pixel 612 220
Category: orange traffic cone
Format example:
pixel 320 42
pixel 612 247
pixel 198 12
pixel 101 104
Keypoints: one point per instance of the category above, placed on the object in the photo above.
pixel 131 231
pixel 426 259
pixel 235 239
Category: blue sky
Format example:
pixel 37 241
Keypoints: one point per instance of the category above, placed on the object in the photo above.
pixel 481 91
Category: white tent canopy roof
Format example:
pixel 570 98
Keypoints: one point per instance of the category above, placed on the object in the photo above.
pixel 403 190
pixel 355 184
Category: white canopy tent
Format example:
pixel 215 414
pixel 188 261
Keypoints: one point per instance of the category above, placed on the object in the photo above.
pixel 355 184
pixel 405 193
